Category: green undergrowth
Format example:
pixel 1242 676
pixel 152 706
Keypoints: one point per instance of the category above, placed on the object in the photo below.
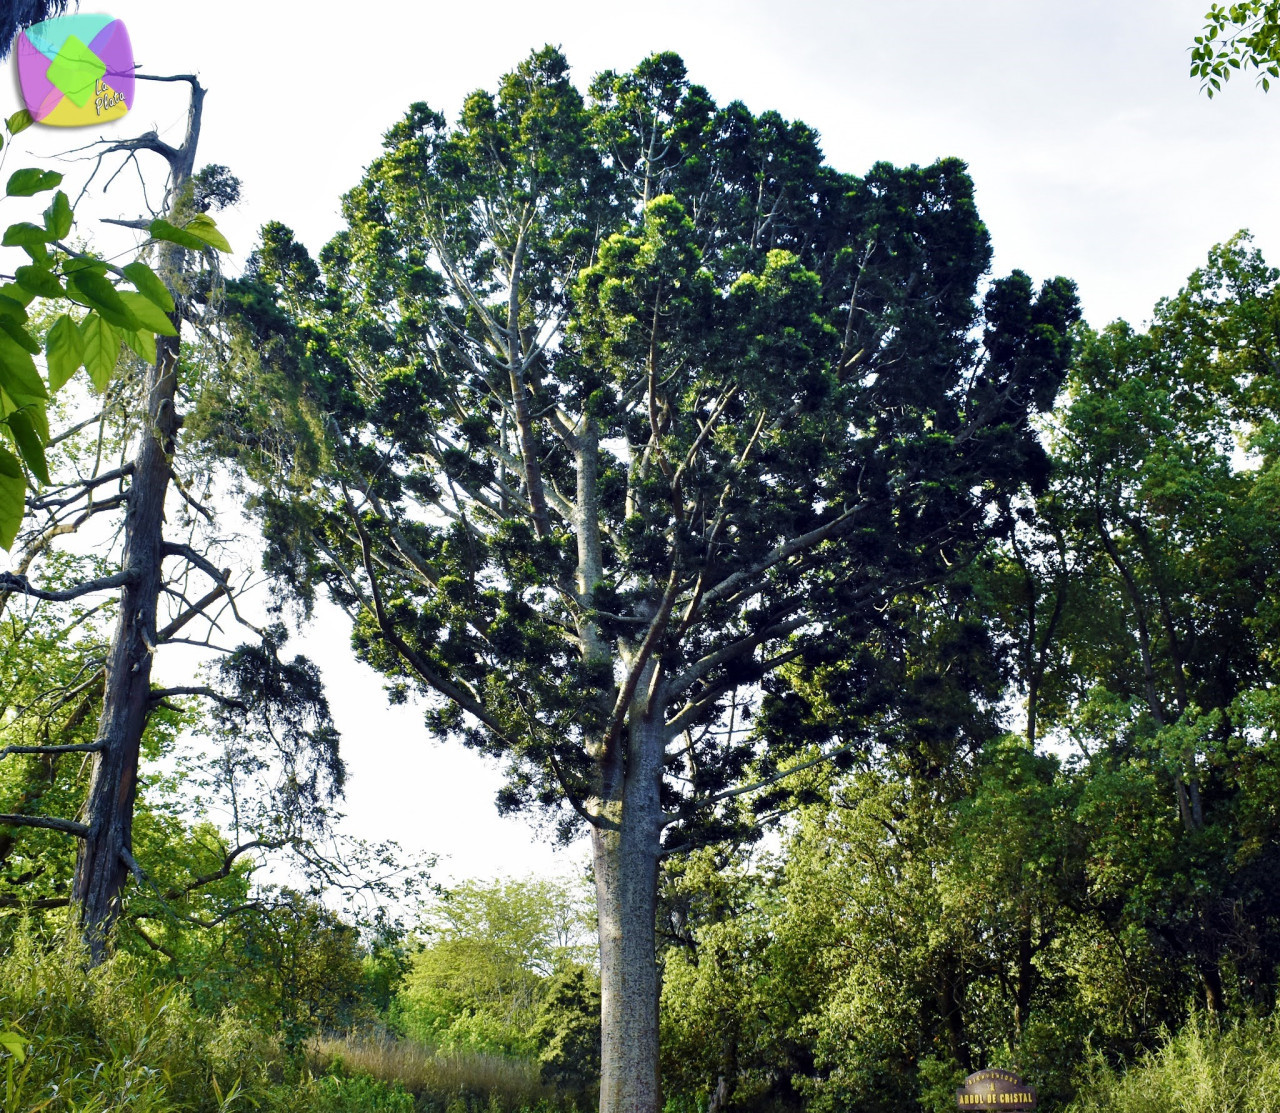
pixel 1203 1068
pixel 76 1040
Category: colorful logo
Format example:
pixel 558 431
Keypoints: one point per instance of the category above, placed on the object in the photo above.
pixel 76 70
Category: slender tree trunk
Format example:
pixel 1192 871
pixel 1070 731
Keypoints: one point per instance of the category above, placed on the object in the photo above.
pixel 1026 975
pixel 107 849
pixel 626 869
pixel 951 1001
pixel 106 852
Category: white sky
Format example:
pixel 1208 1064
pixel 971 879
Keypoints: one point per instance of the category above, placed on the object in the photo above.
pixel 1094 154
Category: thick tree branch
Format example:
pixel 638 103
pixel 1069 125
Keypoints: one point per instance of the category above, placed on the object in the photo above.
pixel 19 585
pixel 77 748
pixel 67 826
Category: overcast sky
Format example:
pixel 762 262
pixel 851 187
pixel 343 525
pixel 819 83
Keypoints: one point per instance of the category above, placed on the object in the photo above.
pixel 1094 155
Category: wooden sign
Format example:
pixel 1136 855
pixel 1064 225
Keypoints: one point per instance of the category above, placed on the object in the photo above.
pixel 995 1089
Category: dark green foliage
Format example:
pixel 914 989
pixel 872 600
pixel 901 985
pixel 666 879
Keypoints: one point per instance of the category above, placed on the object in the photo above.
pixel 787 354
pixel 568 1033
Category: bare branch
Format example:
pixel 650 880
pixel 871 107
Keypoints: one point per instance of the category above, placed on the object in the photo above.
pixel 38 903
pixel 228 864
pixel 198 690
pixel 68 826
pixel 20 585
pixel 77 748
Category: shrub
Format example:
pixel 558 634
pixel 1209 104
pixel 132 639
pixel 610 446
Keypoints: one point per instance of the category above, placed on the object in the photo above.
pixel 1204 1068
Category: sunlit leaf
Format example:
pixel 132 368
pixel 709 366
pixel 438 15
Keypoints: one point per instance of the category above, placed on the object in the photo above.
pixel 64 351
pixel 101 349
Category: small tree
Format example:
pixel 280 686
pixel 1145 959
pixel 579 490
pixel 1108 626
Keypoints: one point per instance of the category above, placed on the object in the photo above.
pixel 627 403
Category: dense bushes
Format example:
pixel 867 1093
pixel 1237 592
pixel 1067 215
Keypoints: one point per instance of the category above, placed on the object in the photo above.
pixel 1201 1069
pixel 74 1040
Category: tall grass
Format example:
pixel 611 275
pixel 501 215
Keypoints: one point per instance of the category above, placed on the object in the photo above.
pixel 1204 1068
pixel 451 1082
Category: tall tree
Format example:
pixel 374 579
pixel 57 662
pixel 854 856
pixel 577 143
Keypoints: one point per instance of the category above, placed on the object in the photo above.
pixel 626 403
pixel 1167 463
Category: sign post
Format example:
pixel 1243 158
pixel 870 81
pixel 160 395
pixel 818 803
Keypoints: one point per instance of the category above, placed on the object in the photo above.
pixel 995 1089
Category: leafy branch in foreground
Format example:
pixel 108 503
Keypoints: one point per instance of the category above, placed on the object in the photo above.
pixel 1239 36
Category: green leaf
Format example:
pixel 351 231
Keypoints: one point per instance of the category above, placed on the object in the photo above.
pixel 143 342
pixel 149 285
pixel 13 492
pixel 163 230
pixel 96 292
pixel 19 121
pixel 14 292
pixel 20 336
pixel 29 180
pixel 29 445
pixel 65 351
pixel 202 226
pixel 19 235
pixel 36 280
pixel 101 349
pixel 58 216
pixel 11 309
pixel 18 374
pixel 11 1041
pixel 38 253
pixel 148 313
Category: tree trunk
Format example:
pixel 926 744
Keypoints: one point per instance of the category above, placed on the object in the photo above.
pixel 105 852
pixel 625 852
pixel 1026 975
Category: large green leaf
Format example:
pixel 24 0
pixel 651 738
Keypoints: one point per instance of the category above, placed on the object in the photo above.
pixel 14 292
pixel 39 281
pixel 29 444
pixel 21 234
pixel 29 180
pixel 163 230
pixel 95 292
pixel 65 351
pixel 149 285
pixel 18 374
pixel 13 490
pixel 101 349
pixel 143 342
pixel 203 227
pixel 19 121
pixel 58 216
pixel 148 313
pixel 12 310
pixel 19 335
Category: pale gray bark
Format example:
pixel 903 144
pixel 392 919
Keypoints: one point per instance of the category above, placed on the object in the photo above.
pixel 625 852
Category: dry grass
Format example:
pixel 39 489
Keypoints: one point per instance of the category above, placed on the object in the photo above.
pixel 501 1082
